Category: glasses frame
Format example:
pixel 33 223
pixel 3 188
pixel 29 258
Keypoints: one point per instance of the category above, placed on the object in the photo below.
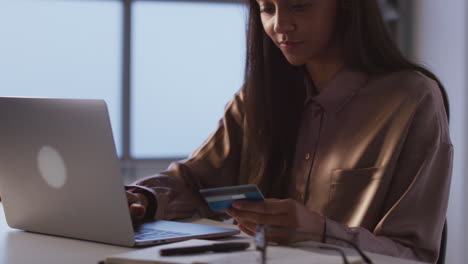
pixel 261 243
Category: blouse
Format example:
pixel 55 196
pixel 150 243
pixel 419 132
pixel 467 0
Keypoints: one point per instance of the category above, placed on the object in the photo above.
pixel 373 156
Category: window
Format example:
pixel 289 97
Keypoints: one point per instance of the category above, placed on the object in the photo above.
pixel 188 61
pixel 69 49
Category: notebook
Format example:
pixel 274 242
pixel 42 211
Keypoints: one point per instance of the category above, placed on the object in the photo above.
pixel 275 255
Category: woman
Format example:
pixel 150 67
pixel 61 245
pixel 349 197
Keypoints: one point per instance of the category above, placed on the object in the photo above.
pixel 347 137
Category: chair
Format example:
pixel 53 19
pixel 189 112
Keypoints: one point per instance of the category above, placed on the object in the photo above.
pixel 443 245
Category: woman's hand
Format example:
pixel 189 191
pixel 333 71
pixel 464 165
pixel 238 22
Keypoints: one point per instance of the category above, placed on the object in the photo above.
pixel 286 213
pixel 137 204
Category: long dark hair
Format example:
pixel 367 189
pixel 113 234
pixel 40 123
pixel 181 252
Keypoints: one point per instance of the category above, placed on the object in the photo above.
pixel 275 91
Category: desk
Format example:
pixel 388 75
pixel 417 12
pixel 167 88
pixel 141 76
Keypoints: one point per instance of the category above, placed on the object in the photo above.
pixel 19 247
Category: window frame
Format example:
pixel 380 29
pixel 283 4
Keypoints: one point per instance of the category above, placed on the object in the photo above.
pixel 127 160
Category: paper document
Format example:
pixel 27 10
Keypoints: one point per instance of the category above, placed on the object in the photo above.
pixel 275 255
pixel 282 255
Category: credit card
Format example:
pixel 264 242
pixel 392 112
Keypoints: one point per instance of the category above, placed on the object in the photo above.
pixel 220 199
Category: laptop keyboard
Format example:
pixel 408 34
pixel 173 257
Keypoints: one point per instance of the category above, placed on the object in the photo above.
pixel 154 234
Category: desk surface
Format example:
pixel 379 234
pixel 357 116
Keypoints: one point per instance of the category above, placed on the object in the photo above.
pixel 19 247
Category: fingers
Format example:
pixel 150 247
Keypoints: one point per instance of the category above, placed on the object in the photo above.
pixel 246 230
pixel 247 225
pixel 137 210
pixel 271 235
pixel 270 212
pixel 292 219
pixel 132 198
pixel 260 218
pixel 267 206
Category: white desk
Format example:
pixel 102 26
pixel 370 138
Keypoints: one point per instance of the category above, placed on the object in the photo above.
pixel 19 247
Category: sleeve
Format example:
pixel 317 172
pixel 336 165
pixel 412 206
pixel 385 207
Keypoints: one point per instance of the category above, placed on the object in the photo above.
pixel 416 205
pixel 173 193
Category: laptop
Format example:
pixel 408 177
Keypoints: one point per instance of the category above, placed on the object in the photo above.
pixel 60 175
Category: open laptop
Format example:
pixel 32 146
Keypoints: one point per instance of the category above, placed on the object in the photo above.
pixel 60 175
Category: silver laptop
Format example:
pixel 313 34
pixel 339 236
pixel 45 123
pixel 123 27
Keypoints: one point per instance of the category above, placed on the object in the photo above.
pixel 60 175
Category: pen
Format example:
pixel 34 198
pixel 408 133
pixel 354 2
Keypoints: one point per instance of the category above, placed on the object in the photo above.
pixel 217 247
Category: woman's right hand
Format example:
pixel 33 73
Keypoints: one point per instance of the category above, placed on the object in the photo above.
pixel 137 204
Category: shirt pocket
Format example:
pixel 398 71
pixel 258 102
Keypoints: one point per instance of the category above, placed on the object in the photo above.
pixel 352 192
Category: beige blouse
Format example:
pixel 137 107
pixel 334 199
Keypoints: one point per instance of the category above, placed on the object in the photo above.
pixel 373 155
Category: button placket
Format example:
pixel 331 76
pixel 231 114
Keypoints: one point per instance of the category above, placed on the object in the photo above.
pixel 308 139
pixel 310 156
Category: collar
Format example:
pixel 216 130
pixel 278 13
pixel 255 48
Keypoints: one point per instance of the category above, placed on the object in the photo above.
pixel 338 91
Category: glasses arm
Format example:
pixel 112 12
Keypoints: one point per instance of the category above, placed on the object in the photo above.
pixel 293 231
pixel 343 255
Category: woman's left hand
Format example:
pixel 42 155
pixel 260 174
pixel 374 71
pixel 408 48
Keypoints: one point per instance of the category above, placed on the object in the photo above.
pixel 287 213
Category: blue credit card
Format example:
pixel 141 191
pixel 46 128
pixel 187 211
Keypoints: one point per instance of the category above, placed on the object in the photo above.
pixel 220 199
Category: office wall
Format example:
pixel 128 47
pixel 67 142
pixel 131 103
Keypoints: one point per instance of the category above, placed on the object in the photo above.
pixel 439 40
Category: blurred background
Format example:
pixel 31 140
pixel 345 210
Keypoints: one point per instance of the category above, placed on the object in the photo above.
pixel 167 68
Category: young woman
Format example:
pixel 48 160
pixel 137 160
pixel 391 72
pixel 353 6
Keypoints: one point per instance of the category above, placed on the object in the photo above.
pixel 345 136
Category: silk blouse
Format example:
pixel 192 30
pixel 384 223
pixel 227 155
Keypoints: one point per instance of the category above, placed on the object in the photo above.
pixel 373 156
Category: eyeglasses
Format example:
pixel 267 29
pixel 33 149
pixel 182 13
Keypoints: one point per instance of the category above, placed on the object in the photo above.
pixel 261 243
